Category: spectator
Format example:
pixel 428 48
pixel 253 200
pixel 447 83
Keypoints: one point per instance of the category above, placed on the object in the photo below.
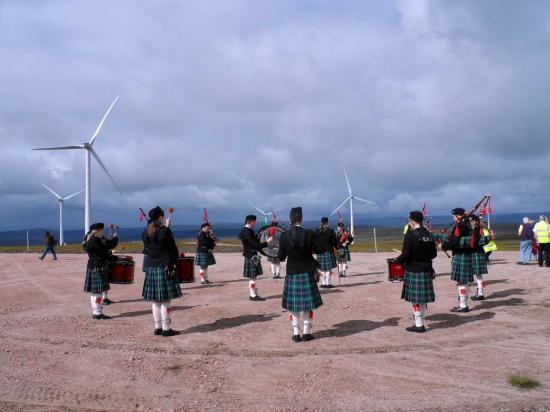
pixel 526 237
pixel 50 246
pixel 542 236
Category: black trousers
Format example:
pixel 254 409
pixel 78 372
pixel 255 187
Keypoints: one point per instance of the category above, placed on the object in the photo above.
pixel 544 248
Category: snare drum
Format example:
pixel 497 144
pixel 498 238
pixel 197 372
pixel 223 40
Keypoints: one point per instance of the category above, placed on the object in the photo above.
pixel 186 269
pixel 122 271
pixel 396 271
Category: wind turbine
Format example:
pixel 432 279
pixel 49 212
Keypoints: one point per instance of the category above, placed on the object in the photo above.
pixel 88 146
pixel 263 213
pixel 61 201
pixel 350 199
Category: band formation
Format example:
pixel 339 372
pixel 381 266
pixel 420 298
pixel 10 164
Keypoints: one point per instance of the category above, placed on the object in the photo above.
pixel 311 257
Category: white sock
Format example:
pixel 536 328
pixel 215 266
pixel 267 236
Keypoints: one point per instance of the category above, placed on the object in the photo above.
pixel 295 317
pixel 252 287
pixel 206 273
pixel 278 269
pixel 418 319
pixel 345 268
pixel 307 322
pixel 157 316
pixel 273 269
pixel 202 274
pixel 480 285
pixel 165 311
pixel 104 295
pixel 97 308
pixel 327 278
pixel 340 267
pixel 463 294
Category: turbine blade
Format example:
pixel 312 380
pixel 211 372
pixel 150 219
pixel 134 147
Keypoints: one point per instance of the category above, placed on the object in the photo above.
pixel 260 210
pixel 52 192
pixel 94 136
pixel 364 201
pixel 98 160
pixel 347 182
pixel 60 148
pixel 341 204
pixel 73 195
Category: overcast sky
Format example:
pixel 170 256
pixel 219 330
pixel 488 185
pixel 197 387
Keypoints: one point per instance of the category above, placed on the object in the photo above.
pixel 226 102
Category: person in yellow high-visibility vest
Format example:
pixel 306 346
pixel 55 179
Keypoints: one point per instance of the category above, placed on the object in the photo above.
pixel 491 246
pixel 542 236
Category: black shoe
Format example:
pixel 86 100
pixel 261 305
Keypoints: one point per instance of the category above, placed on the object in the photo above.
pixel 417 329
pixel 158 332
pixel 520 263
pixel 307 337
pixel 54 259
pixel 479 297
pixel 106 301
pixel 296 338
pixel 458 309
pixel 329 286
pixel 102 316
pixel 323 286
pixel 257 298
pixel 170 332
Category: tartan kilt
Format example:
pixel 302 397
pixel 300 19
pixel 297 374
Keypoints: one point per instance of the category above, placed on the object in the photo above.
pixel 158 287
pixel 346 256
pixel 274 260
pixel 461 269
pixel 327 261
pixel 418 288
pixel 250 271
pixel 479 263
pixel 301 293
pixel 95 282
pixel 205 259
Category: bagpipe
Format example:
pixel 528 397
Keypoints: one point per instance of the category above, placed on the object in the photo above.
pixel 274 231
pixel 211 230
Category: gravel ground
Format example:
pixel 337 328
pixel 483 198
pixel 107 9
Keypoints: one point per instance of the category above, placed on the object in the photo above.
pixel 234 354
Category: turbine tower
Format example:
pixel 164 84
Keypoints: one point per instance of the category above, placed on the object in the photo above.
pixel 88 146
pixel 61 200
pixel 350 199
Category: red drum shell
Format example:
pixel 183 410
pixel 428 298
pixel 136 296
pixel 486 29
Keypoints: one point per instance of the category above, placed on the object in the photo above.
pixel 186 269
pixel 396 271
pixel 122 271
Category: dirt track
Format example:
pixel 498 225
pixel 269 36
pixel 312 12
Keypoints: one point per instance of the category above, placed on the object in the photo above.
pixel 237 354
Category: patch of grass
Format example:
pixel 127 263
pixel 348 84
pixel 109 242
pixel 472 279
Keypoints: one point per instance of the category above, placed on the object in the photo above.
pixel 523 382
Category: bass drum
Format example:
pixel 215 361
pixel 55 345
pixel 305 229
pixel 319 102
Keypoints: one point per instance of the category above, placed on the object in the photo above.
pixel 265 232
pixel 122 271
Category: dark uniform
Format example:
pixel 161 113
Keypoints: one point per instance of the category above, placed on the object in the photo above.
pixel 344 239
pixel 205 255
pixel 326 246
pixel 252 264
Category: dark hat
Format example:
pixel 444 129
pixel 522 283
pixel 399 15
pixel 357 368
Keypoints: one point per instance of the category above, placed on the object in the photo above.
pixel 155 213
pixel 205 224
pixel 251 217
pixel 324 219
pixel 296 214
pixel 457 211
pixel 274 223
pixel 474 217
pixel 416 216
pixel 97 226
pixel 340 224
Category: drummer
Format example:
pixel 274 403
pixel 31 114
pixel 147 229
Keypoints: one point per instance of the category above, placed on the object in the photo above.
pixel 161 283
pixel 417 254
pixel 98 248
pixel 205 255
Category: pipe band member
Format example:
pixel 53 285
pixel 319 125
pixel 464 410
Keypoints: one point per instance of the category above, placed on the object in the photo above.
pixel 161 283
pixel 274 261
pixel 97 270
pixel 205 255
pixel 417 254
pixel 461 243
pixel 327 245
pixel 301 295
pixel 479 260
pixel 344 239
pixel 251 248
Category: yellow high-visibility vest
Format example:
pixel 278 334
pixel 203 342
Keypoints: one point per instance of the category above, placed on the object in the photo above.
pixel 541 232
pixel 406 229
pixel 491 246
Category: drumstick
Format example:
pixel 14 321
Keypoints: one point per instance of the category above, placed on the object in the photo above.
pixel 168 221
pixel 110 230
pixel 395 250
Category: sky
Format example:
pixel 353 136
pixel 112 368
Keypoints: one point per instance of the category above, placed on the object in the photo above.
pixel 227 103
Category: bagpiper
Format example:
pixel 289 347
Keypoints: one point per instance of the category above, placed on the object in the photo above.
pixel 251 249
pixel 301 295
pixel 416 255
pixel 274 260
pixel 161 283
pixel 479 261
pixel 205 252
pixel 344 239
pixel 96 282
pixel 461 243
pixel 326 248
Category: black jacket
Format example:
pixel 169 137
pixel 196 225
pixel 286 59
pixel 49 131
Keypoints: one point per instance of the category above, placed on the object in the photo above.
pixel 251 244
pixel 418 251
pixel 50 240
pixel 161 248
pixel 205 242
pixel 346 243
pixel 298 244
pixel 326 241
pixel 99 251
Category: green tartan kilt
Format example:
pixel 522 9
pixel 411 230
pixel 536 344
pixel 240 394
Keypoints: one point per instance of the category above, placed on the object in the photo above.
pixel 205 259
pixel 461 269
pixel 300 293
pixel 95 282
pixel 346 257
pixel 479 263
pixel 251 271
pixel 158 287
pixel 327 261
pixel 274 260
pixel 418 288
